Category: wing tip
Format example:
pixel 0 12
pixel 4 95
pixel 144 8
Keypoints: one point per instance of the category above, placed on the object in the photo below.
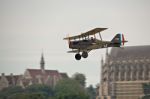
pixel 65 38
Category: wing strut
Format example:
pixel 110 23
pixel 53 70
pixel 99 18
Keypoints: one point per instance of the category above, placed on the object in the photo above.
pixel 100 36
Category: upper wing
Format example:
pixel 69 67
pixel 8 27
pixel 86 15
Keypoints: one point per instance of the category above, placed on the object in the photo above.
pixel 73 37
pixel 91 32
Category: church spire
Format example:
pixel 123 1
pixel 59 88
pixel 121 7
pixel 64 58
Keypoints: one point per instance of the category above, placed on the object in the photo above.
pixel 42 63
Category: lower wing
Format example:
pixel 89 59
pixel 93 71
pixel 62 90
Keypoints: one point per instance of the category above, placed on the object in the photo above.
pixel 73 51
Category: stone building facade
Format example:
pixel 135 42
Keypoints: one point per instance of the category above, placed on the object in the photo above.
pixel 32 76
pixel 124 72
pixel 9 80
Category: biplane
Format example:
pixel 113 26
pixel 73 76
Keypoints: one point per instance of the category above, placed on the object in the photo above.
pixel 85 42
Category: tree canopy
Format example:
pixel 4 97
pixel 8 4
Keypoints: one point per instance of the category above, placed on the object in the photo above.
pixel 31 92
pixel 5 93
pixel 91 91
pixel 70 89
pixel 146 88
pixel 80 78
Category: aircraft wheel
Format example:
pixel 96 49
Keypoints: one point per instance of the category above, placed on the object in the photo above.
pixel 77 56
pixel 84 54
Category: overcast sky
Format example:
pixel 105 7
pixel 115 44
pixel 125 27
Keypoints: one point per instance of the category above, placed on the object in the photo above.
pixel 28 27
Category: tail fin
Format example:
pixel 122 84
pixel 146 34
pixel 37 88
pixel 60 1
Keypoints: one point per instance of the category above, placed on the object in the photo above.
pixel 119 40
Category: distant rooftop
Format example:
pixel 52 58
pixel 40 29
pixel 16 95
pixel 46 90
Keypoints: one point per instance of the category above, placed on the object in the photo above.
pixel 131 51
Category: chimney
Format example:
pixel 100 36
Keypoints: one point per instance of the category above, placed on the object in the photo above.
pixel 11 74
pixel 12 77
pixel 3 74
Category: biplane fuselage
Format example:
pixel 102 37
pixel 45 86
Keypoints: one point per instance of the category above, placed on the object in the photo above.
pixel 83 43
pixel 91 44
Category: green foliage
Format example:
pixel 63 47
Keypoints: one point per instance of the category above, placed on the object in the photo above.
pixel 64 89
pixel 31 92
pixel 146 88
pixel 9 91
pixel 92 92
pixel 146 97
pixel 70 89
pixel 28 96
pixel 46 90
pixel 80 78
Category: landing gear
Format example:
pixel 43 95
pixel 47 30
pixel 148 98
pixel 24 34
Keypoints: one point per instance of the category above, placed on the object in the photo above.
pixel 78 56
pixel 84 54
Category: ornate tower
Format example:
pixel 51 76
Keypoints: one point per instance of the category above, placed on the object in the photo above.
pixel 124 73
pixel 42 63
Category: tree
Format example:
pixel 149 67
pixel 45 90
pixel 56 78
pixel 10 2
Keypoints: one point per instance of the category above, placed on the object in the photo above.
pixel 146 88
pixel 97 90
pixel 80 78
pixel 28 96
pixel 91 91
pixel 5 93
pixel 70 89
pixel 42 89
pixel 31 92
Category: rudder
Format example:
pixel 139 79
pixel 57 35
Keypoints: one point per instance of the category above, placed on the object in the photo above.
pixel 117 39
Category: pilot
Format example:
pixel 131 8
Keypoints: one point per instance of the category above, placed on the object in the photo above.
pixel 92 38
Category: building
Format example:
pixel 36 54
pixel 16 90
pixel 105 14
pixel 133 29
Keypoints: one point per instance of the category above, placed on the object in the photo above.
pixel 124 72
pixel 32 76
pixel 8 80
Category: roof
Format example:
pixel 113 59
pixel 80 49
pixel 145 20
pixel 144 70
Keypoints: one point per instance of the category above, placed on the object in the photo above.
pixel 35 72
pixel 131 51
pixel 12 79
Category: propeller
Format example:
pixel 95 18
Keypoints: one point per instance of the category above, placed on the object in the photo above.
pixel 68 40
